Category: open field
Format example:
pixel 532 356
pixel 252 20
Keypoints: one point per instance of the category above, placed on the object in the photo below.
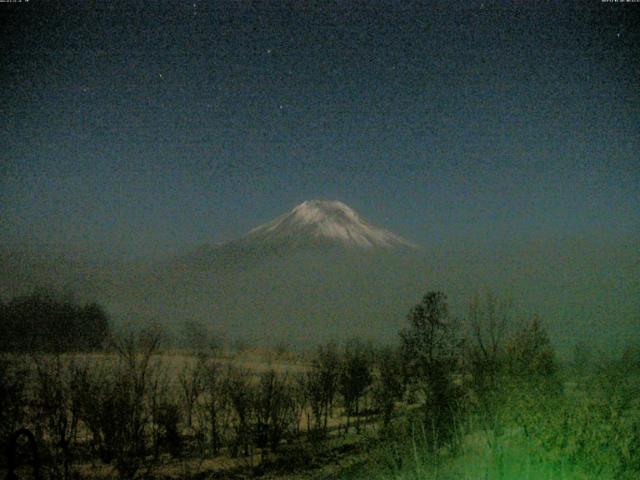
pixel 565 437
pixel 182 447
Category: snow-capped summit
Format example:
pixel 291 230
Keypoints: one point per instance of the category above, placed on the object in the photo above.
pixel 325 221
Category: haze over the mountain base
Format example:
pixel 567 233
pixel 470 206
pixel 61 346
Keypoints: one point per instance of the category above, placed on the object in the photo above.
pixel 322 272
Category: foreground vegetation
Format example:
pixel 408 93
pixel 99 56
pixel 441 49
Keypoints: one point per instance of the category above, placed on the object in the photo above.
pixel 591 430
pixel 513 411
pixel 483 398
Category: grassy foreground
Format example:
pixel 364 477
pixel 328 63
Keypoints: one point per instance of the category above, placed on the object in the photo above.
pixel 589 431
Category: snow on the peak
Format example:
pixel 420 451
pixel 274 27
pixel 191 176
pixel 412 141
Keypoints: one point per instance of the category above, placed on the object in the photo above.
pixel 313 211
pixel 330 220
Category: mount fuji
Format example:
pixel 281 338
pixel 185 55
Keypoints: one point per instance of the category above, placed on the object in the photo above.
pixel 322 271
pixel 317 271
pixel 324 222
pixel 317 227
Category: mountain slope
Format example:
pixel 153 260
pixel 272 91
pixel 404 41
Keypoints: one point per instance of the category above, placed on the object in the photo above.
pixel 315 226
pixel 321 221
pixel 319 270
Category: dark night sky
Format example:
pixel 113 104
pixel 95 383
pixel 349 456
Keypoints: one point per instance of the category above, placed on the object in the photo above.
pixel 137 128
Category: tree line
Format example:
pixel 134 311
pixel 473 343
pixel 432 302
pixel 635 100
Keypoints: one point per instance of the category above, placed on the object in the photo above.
pixel 42 321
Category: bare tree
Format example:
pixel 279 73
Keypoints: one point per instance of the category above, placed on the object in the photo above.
pixel 56 412
pixel 327 366
pixel 241 393
pixel 387 387
pixel 213 407
pixel 13 379
pixel 119 405
pixel 274 410
pixel 321 385
pixel 531 357
pixel 490 327
pixel 191 381
pixel 489 323
pixel 300 400
pixel 316 398
pixel 355 378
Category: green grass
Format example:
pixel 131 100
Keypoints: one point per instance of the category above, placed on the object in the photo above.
pixel 592 433
pixel 511 460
